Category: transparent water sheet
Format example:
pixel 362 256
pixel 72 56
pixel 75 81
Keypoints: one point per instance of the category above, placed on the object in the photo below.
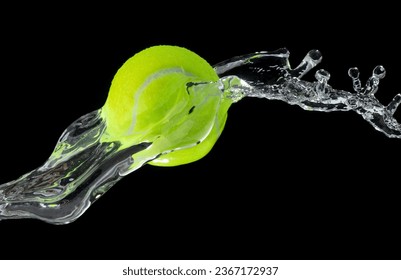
pixel 82 167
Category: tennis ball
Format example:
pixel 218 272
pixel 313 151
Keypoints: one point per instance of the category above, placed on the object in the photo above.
pixel 167 96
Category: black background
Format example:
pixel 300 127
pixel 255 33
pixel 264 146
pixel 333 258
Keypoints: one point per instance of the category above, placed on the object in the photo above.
pixel 281 182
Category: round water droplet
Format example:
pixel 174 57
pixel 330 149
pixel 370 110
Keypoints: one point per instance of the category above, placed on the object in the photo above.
pixel 379 72
pixel 315 55
pixel 353 73
pixel 322 75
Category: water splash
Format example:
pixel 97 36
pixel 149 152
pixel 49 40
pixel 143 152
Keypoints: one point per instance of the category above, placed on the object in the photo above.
pixel 83 167
pixel 268 75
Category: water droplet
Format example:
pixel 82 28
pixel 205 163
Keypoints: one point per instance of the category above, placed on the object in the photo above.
pixel 356 82
pixel 353 73
pixel 379 72
pixel 315 55
pixel 322 75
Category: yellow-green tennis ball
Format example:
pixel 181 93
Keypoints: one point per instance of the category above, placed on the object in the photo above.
pixel 149 101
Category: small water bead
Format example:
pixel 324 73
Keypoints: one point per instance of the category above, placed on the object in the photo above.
pixel 356 82
pixel 354 72
pixel 379 72
pixel 322 76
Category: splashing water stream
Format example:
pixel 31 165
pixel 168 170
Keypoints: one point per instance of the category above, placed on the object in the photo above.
pixel 83 166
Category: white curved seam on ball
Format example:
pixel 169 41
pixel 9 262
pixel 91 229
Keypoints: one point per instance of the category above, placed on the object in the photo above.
pixel 143 86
